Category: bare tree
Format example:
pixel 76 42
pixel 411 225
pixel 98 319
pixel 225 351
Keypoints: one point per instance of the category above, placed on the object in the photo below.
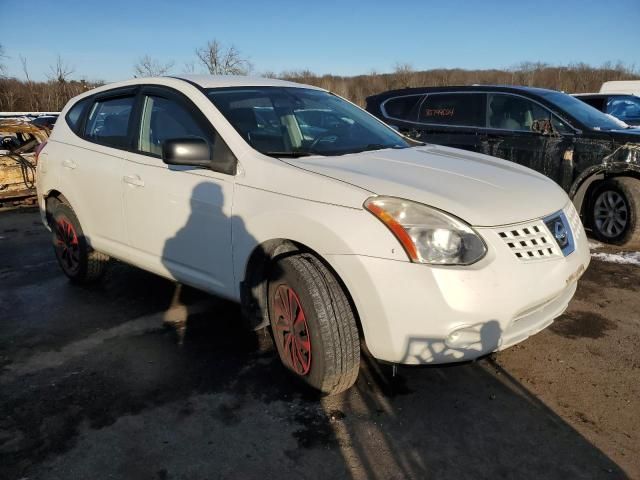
pixel 61 71
pixel 59 77
pixel 34 101
pixel 3 67
pixel 189 67
pixel 403 74
pixel 25 68
pixel 150 67
pixel 219 60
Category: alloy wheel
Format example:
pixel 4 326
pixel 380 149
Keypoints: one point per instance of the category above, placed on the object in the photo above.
pixel 610 213
pixel 67 245
pixel 291 331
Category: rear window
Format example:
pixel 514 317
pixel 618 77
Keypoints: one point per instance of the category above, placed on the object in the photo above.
pixel 458 109
pixel 403 108
pixel 594 102
pixel 75 114
pixel 108 121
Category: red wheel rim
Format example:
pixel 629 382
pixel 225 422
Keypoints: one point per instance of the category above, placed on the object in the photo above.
pixel 291 330
pixel 66 243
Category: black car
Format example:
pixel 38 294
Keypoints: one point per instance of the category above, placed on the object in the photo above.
pixel 47 121
pixel 620 105
pixel 591 155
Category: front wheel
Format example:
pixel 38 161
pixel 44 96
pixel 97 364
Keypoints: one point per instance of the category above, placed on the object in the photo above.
pixel 614 209
pixel 313 324
pixel 78 261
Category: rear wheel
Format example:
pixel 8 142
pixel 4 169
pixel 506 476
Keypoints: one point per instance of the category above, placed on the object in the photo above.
pixel 78 261
pixel 313 324
pixel 613 211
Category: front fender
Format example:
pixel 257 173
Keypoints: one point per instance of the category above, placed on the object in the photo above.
pixel 260 216
pixel 598 172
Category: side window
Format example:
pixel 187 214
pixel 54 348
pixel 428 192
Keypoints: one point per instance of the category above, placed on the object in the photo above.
pixel 559 126
pixel 108 121
pixel 403 108
pixel 459 109
pixel 624 108
pixel 164 119
pixel 510 112
pixel 75 114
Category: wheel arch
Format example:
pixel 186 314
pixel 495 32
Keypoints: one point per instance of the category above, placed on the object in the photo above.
pixel 588 180
pixel 254 285
pixel 49 199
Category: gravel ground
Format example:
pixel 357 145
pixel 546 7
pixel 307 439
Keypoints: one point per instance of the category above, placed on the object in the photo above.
pixel 138 378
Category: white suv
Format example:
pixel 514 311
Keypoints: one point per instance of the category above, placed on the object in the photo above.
pixel 323 222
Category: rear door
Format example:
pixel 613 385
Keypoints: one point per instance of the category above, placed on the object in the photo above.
pixel 453 119
pixel 93 168
pixel 178 218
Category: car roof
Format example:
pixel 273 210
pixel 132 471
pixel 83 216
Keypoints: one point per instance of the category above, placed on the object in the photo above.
pixel 602 95
pixel 198 81
pixel 463 88
pixel 221 81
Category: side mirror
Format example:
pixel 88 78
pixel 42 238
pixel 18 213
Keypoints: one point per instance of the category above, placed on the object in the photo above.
pixel 543 127
pixel 195 152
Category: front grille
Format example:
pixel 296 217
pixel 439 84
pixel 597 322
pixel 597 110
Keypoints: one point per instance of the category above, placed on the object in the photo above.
pixel 536 240
pixel 530 241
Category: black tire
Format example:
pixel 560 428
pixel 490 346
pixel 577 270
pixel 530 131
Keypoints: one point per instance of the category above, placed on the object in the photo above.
pixel 78 261
pixel 333 356
pixel 621 197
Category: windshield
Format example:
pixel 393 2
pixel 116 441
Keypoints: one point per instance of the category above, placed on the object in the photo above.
pixel 290 121
pixel 586 114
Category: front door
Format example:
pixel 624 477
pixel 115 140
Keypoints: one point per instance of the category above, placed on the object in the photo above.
pixel 178 219
pixel 512 135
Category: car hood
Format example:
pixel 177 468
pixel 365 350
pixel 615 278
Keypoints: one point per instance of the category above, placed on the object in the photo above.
pixel 482 190
pixel 630 135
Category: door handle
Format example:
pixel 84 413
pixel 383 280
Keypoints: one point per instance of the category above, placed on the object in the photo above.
pixel 70 164
pixel 134 180
pixel 410 132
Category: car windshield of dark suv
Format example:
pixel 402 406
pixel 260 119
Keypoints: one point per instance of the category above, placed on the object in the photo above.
pixel 586 114
pixel 296 122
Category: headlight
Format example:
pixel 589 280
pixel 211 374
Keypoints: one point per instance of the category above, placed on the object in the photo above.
pixel 428 235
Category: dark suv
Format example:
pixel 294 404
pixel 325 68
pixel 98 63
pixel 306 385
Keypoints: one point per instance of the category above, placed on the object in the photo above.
pixel 595 158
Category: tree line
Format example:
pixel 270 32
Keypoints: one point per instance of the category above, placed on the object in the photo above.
pixel 51 95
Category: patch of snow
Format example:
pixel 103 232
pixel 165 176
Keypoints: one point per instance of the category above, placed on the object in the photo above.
pixel 593 245
pixel 624 258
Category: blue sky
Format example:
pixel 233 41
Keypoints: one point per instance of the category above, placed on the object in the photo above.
pixel 103 39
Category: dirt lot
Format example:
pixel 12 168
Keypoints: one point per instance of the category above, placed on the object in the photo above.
pixel 137 378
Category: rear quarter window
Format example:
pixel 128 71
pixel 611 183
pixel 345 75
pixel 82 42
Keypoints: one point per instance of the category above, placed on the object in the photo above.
pixel 402 108
pixel 458 109
pixel 74 115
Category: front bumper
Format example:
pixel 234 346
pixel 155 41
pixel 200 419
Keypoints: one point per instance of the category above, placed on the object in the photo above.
pixel 420 314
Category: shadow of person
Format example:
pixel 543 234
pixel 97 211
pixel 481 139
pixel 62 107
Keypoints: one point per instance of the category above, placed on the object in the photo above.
pixel 200 255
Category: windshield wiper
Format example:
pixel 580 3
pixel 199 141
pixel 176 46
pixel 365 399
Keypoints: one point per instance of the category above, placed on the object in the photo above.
pixel 379 146
pixel 288 154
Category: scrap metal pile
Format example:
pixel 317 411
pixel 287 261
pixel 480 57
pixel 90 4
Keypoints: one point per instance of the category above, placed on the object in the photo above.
pixel 19 139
